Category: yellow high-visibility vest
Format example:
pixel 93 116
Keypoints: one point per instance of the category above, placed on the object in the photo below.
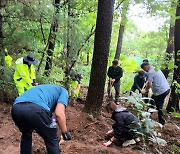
pixel 23 73
pixel 8 60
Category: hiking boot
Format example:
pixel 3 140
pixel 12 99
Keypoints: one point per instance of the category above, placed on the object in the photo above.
pixel 128 142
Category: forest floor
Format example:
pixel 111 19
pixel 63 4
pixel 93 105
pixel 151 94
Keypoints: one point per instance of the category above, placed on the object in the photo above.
pixel 87 135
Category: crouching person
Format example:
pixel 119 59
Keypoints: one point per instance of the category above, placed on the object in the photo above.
pixel 33 111
pixel 121 128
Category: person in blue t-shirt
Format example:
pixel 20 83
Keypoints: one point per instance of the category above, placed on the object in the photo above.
pixel 139 81
pixel 33 111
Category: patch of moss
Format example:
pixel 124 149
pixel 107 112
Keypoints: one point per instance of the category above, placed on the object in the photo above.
pixel 175 148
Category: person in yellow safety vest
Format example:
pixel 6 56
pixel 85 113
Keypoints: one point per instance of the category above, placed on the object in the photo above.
pixel 76 85
pixel 24 75
pixel 8 58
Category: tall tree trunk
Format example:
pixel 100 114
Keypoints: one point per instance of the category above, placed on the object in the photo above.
pixel 100 56
pixel 52 38
pixel 69 56
pixel 175 87
pixel 170 42
pixel 2 56
pixel 121 29
pixel 169 50
pixel 1 38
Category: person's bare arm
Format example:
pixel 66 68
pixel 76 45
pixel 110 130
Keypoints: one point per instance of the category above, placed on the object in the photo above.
pixel 146 88
pixel 149 85
pixel 61 117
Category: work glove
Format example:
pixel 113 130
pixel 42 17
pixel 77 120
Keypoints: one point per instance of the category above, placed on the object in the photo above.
pixel 66 136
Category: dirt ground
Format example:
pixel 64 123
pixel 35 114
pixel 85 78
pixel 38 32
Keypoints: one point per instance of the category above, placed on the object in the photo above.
pixel 87 135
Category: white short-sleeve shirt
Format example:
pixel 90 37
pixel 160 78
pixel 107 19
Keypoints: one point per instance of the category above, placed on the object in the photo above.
pixel 158 80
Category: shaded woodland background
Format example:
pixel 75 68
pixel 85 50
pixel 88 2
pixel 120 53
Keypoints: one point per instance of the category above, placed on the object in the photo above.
pixel 69 35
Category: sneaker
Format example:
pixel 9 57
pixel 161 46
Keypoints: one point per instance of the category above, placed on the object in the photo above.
pixel 128 142
pixel 137 139
pixel 151 110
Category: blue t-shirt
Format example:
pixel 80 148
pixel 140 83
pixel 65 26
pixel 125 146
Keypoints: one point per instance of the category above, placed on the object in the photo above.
pixel 46 95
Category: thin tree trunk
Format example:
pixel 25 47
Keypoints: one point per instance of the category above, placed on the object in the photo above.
pixel 44 40
pixel 121 29
pixel 175 90
pixel 52 38
pixel 100 56
pixel 87 62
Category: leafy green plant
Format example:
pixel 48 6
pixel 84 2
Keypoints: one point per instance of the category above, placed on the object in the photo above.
pixel 146 127
pixel 8 91
pixel 175 114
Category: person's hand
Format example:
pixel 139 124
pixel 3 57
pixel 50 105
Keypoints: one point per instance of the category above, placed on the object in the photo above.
pixel 110 132
pixel 112 80
pixel 35 84
pixel 107 144
pixel 144 91
pixel 61 140
pixel 66 136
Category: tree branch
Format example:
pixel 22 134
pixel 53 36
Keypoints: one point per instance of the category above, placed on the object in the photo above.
pixel 117 7
pixel 41 25
pixel 86 39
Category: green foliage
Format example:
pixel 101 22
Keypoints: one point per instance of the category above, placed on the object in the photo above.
pixel 127 64
pixel 175 114
pixel 23 34
pixel 146 126
pixel 91 117
pixel 175 148
pixel 177 86
pixel 8 91
pixel 127 82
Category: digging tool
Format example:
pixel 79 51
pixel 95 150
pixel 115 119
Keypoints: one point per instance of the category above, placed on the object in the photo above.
pixel 110 93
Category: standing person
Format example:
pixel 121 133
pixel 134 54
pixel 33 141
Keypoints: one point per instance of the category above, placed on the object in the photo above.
pixel 76 85
pixel 139 81
pixel 160 88
pixel 33 111
pixel 121 128
pixel 24 75
pixel 115 72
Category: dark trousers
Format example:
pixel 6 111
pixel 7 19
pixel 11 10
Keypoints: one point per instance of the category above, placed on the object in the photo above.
pixel 126 134
pixel 159 102
pixel 116 86
pixel 29 117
